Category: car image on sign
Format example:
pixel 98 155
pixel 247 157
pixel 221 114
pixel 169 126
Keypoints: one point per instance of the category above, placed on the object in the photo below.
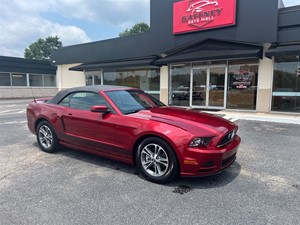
pixel 128 125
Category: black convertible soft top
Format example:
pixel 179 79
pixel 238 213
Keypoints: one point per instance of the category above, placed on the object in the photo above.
pixel 95 88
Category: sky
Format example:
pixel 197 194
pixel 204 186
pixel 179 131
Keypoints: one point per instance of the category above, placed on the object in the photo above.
pixel 22 22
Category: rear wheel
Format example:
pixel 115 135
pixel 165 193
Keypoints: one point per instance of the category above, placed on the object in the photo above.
pixel 156 160
pixel 46 137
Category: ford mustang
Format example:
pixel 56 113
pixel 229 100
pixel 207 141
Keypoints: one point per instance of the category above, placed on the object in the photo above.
pixel 131 126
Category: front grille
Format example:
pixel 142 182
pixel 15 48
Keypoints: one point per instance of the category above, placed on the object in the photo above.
pixel 227 138
pixel 225 162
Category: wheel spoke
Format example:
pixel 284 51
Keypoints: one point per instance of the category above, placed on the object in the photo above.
pixel 43 132
pixel 48 143
pixel 160 150
pixel 42 139
pixel 158 170
pixel 146 165
pixel 156 149
pixel 155 169
pixel 147 152
pixel 162 162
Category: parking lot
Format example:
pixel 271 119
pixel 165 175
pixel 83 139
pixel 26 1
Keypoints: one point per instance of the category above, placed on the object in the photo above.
pixel 71 187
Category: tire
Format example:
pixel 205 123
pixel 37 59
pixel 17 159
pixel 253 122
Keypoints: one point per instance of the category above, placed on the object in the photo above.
pixel 156 160
pixel 46 137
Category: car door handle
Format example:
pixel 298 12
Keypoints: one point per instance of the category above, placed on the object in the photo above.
pixel 70 114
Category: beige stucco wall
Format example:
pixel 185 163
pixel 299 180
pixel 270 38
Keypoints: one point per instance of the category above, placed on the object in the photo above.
pixel 164 84
pixel 264 85
pixel 67 78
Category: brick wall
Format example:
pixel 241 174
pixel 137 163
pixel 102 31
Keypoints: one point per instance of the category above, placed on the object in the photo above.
pixel 24 92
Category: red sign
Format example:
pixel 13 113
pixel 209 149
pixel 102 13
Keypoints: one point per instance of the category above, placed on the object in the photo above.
pixel 197 15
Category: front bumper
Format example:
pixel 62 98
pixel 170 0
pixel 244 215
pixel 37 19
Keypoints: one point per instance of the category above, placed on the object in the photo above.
pixel 204 162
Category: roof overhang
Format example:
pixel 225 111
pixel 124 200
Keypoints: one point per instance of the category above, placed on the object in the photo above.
pixel 283 50
pixel 211 50
pixel 132 63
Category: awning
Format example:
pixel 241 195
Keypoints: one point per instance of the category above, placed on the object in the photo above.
pixel 212 50
pixel 148 62
pixel 283 50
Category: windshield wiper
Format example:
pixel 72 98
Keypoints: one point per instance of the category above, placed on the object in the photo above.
pixel 133 111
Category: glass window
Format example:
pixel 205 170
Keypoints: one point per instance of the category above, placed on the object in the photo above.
pixel 93 78
pixel 49 80
pixel 5 79
pixel 286 84
pixel 35 80
pixel 148 80
pixel 19 79
pixel 180 85
pixel 88 79
pixel 83 100
pixel 242 84
pixel 207 63
pixel 132 101
pixel 39 80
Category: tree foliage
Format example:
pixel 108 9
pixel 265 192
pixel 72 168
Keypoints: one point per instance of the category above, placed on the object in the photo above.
pixel 138 28
pixel 41 49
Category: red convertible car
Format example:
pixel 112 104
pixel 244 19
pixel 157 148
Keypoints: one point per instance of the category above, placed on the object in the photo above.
pixel 126 124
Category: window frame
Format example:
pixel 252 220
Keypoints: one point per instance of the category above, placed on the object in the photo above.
pixel 85 100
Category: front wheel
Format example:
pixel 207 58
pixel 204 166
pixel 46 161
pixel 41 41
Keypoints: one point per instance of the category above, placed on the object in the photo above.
pixel 46 137
pixel 156 160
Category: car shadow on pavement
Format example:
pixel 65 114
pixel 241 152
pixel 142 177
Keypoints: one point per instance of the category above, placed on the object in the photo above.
pixel 185 184
pixel 181 184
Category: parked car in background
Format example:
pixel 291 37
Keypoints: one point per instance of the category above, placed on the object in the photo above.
pixel 183 93
pixel 126 124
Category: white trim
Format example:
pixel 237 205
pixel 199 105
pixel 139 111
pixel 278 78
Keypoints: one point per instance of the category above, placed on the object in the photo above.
pixel 191 85
pixel 226 86
pixel 207 86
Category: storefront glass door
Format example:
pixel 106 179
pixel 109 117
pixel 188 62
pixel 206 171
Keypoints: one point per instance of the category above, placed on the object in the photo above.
pixel 198 90
pixel 208 87
pixel 217 86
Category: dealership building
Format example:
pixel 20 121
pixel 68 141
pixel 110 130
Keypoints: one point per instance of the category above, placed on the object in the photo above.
pixel 206 54
pixel 25 78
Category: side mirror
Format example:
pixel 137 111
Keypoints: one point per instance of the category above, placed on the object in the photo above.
pixel 100 109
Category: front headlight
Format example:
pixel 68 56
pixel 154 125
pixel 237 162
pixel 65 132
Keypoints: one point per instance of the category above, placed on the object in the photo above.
pixel 200 141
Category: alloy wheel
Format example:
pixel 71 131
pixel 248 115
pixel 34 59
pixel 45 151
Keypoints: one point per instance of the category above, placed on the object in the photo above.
pixel 45 137
pixel 154 160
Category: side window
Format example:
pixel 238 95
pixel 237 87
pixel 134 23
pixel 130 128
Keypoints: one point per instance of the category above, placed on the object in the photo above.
pixel 83 100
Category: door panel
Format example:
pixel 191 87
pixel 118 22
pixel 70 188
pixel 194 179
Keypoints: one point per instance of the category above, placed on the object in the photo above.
pixel 90 129
pixel 199 87
pixel 216 87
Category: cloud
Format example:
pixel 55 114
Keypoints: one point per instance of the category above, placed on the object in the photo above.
pixel 23 22
pixel 114 12
pixel 291 2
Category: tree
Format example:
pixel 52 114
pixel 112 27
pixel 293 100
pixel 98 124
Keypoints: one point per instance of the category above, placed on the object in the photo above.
pixel 138 28
pixel 41 49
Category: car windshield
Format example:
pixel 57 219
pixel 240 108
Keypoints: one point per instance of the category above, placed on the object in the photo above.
pixel 131 101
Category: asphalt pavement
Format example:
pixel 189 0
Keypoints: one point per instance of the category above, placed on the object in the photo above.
pixel 69 187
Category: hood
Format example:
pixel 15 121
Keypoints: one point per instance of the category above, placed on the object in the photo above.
pixel 190 120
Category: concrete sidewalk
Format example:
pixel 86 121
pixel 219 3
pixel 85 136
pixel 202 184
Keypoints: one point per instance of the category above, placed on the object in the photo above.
pixel 255 116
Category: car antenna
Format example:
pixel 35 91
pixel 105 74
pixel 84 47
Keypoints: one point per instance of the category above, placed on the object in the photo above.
pixel 33 95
